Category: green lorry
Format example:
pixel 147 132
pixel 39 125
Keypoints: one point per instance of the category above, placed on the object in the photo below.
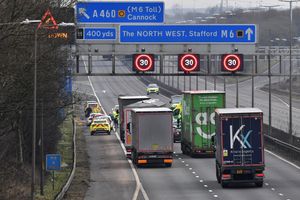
pixel 198 121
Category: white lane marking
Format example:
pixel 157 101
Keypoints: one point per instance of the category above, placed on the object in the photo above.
pixel 216 196
pixel 273 189
pixel 190 168
pixel 280 194
pixel 139 185
pixel 182 161
pixel 201 181
pixel 193 172
pixel 197 176
pixel 210 191
pixel 266 184
pixel 186 165
pixel 179 158
pixel 205 186
pixel 279 157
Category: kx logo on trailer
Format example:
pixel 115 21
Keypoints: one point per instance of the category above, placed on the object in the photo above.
pixel 239 137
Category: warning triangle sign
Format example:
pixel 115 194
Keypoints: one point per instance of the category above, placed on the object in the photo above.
pixel 48 21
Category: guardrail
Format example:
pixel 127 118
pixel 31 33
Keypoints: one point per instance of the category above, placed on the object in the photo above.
pixel 63 191
pixel 285 145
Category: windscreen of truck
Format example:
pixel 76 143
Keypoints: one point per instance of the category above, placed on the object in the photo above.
pixel 242 141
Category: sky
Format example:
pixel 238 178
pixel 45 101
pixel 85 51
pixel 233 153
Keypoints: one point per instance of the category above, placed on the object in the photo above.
pixel 209 3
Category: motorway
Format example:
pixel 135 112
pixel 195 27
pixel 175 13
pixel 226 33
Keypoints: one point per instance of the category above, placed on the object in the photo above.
pixel 188 178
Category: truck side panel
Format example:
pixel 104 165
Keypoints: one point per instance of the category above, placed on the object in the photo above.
pixel 122 104
pixel 204 128
pixel 186 119
pixel 128 136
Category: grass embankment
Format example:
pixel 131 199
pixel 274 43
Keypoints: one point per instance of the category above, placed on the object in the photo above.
pixel 65 148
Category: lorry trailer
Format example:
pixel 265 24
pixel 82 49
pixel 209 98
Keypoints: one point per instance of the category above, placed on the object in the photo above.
pixel 198 121
pixel 124 101
pixel 152 136
pixel 239 146
pixel 127 118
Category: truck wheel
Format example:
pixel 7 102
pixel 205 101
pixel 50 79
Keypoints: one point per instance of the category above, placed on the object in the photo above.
pixel 259 184
pixel 183 148
pixel 92 133
pixel 224 185
pixel 218 174
pixel 108 133
pixel 133 157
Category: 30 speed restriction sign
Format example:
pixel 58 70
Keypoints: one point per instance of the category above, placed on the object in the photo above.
pixel 188 62
pixel 143 62
pixel 232 62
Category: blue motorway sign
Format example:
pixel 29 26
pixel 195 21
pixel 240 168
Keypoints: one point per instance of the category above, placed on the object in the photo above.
pixel 53 162
pixel 209 33
pixel 120 12
pixel 99 34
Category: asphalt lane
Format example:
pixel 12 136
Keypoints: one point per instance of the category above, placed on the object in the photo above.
pixel 159 183
pixel 191 178
pixel 110 172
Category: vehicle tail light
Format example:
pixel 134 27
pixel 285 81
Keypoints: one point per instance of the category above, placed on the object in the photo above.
pixel 226 176
pixel 142 161
pixel 168 160
pixel 261 175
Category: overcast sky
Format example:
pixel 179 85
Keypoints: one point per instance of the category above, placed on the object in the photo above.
pixel 210 3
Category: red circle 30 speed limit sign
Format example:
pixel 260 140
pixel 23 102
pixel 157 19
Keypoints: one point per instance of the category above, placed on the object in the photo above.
pixel 143 62
pixel 188 62
pixel 232 62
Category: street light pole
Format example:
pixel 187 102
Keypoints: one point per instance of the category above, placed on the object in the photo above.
pixel 34 118
pixel 291 67
pixel 34 107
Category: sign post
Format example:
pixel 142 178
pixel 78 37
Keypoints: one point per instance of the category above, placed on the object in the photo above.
pixel 102 33
pixel 120 12
pixel 188 62
pixel 209 33
pixel 232 62
pixel 53 163
pixel 143 62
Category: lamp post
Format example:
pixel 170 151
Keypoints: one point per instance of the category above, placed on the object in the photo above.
pixel 291 67
pixel 27 21
pixel 34 105
pixel 33 158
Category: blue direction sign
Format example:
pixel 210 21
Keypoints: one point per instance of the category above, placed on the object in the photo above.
pixel 222 33
pixel 97 33
pixel 120 12
pixel 53 162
